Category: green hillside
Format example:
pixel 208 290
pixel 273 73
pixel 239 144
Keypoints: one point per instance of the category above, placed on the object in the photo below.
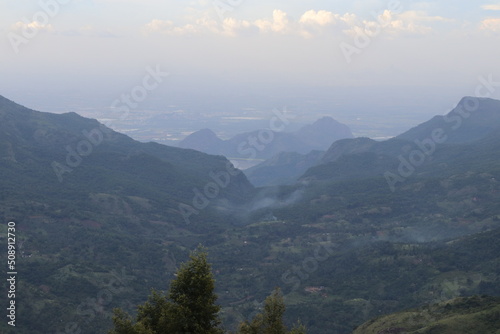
pixel 471 120
pixel 470 315
pixel 464 139
pixel 343 250
pixel 283 168
pixel 73 160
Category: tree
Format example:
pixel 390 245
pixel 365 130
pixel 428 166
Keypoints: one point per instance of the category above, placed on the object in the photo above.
pixel 189 307
pixel 192 294
pixel 270 321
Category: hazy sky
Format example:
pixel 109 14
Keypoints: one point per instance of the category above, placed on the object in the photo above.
pixel 85 46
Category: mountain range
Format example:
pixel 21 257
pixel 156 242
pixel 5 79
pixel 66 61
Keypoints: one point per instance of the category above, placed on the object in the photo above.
pixel 442 145
pixel 71 159
pixel 431 147
pixel 265 143
pixel 372 229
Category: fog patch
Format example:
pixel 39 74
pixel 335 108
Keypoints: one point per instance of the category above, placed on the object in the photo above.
pixel 267 199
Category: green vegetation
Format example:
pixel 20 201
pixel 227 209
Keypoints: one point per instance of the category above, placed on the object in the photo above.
pixel 189 308
pixel 67 162
pixel 270 321
pixel 470 315
pixel 343 251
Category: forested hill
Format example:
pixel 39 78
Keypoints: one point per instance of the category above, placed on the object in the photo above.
pixel 472 315
pixel 464 139
pixel 66 162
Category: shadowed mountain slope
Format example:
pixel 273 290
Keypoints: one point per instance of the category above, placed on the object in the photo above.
pixel 67 158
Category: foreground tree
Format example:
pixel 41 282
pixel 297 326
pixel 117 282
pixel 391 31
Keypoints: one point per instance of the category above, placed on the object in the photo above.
pixel 270 321
pixel 189 307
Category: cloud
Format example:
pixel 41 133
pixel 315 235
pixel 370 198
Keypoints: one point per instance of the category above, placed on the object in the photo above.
pixel 229 26
pixel 27 28
pixel 490 7
pixel 158 26
pixel 310 24
pixel 31 26
pixel 490 24
pixel 313 23
pixel 321 18
pixel 279 24
pixel 233 27
pixel 409 22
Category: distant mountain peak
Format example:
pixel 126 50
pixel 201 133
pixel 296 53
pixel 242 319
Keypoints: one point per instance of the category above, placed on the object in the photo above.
pixel 469 99
pixel 204 133
pixel 324 132
pixel 316 136
pixel 7 105
pixel 326 120
pixel 204 140
pixel 472 119
pixel 323 121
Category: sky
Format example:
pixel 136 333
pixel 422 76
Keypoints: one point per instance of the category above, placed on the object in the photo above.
pixel 404 49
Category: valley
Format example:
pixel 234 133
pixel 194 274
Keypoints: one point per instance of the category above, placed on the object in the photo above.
pixel 344 242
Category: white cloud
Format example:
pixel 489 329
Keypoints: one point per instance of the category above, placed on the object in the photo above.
pixel 31 26
pixel 393 24
pixel 311 23
pixel 233 27
pixel 158 25
pixel 490 24
pixel 228 27
pixel 321 18
pixel 491 7
pixel 279 24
